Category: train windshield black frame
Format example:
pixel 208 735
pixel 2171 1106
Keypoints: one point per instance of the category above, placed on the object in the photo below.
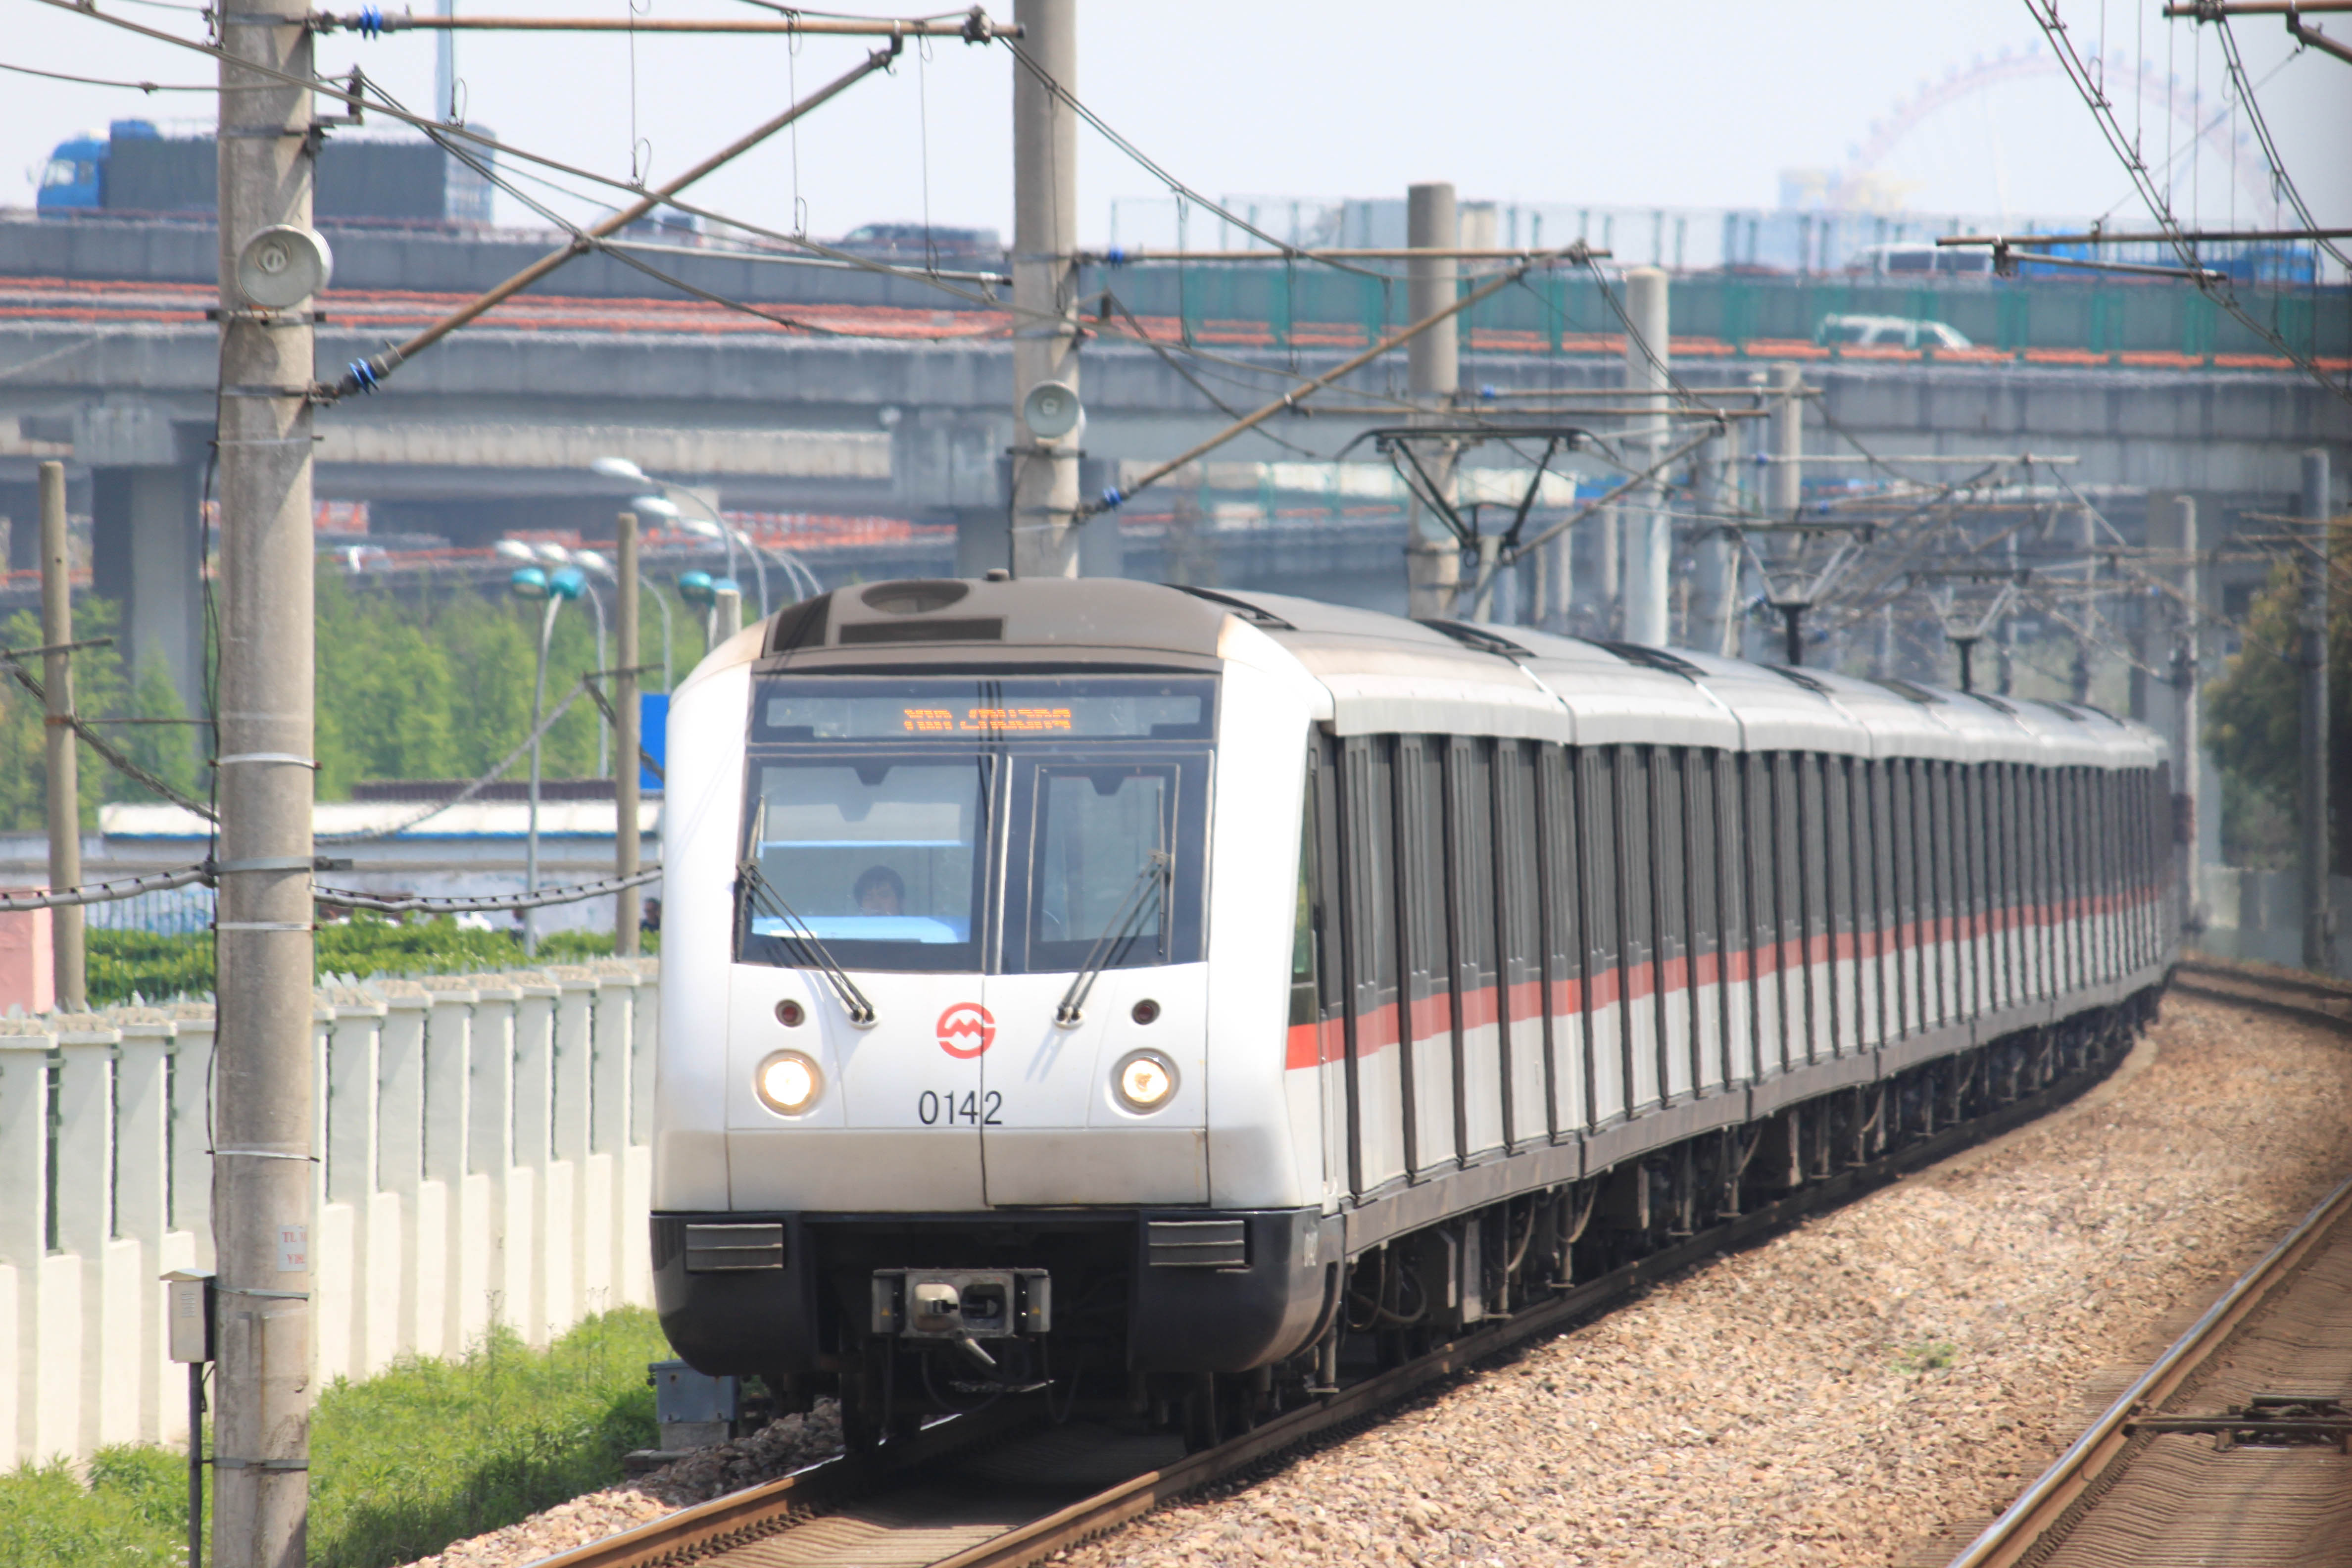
pixel 997 841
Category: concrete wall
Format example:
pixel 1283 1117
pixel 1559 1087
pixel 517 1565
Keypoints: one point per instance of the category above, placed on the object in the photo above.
pixel 483 1155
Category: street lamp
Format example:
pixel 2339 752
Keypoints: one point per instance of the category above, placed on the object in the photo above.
pixel 700 590
pixel 709 526
pixel 534 583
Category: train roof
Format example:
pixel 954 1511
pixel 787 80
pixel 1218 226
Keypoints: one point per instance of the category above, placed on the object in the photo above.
pixel 1384 673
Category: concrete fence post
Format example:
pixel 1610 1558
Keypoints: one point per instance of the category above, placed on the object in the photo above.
pixel 463 1210
pixel 143 1131
pixel 545 1266
pixel 25 1048
pixel 582 1241
pixel 191 1159
pixel 114 1291
pixel 351 1313
pixel 490 1150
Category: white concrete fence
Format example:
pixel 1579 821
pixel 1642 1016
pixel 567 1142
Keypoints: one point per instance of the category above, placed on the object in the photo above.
pixel 482 1155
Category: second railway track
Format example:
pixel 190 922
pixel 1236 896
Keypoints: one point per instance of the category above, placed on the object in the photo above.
pixel 997 1489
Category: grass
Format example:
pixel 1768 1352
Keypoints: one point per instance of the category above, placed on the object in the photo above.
pixel 1927 1355
pixel 124 963
pixel 401 1465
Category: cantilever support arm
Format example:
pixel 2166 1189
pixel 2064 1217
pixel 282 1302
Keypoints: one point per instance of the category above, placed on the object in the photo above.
pixel 364 375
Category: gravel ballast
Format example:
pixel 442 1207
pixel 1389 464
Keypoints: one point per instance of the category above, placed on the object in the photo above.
pixel 1848 1392
pixel 1886 1376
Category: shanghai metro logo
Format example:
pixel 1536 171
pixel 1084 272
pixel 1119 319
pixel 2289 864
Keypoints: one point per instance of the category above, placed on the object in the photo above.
pixel 966 1029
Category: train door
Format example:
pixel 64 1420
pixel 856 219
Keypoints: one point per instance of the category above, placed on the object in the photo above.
pixel 1101 973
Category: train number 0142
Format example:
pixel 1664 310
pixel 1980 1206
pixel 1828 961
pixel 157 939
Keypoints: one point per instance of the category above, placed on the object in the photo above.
pixel 970 1109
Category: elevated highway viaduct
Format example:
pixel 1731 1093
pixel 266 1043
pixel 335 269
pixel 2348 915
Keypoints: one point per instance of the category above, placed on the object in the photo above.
pixel 494 429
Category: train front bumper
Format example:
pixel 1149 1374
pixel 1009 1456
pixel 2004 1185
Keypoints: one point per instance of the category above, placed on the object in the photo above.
pixel 1204 1289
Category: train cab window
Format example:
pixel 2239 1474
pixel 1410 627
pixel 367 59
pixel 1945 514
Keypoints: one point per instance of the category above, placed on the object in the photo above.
pixel 946 821
pixel 879 859
pixel 1103 864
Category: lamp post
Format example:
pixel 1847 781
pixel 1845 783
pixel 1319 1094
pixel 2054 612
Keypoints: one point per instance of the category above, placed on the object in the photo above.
pixel 533 582
pixel 574 561
pixel 710 525
pixel 701 591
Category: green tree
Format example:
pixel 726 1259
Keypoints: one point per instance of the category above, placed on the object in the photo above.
pixel 2253 722
pixel 101 690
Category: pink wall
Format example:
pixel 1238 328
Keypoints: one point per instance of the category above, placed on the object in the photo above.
pixel 28 970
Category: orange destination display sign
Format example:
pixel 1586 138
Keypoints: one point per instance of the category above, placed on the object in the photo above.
pixel 984 711
pixel 983 721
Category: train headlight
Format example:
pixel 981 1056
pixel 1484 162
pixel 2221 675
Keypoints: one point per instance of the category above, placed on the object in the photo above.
pixel 788 1082
pixel 1144 1081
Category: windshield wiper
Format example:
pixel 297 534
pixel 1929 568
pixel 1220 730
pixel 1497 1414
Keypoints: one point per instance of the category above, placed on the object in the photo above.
pixel 759 890
pixel 1148 890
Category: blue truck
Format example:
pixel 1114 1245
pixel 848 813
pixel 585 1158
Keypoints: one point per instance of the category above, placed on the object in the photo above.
pixel 137 168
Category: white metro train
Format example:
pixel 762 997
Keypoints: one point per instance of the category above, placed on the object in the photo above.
pixel 1143 996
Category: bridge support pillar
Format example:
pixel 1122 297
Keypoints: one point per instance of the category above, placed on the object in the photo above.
pixel 146 540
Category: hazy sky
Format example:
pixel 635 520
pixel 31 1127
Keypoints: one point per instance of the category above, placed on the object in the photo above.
pixel 1695 103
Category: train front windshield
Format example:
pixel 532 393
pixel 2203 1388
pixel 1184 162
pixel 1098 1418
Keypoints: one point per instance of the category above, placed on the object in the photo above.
pixel 1018 824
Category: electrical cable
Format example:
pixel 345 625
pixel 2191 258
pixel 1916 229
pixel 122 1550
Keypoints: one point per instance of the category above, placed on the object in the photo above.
pixel 2282 184
pixel 1056 89
pixel 101 82
pixel 2159 206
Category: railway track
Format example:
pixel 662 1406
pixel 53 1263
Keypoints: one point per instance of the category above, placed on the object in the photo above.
pixel 1000 1489
pixel 2308 998
pixel 2236 1445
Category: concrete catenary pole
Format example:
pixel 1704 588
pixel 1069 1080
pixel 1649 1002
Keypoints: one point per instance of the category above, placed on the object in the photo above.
pixel 1649 532
pixel 65 773
pixel 1785 475
pixel 2182 532
pixel 1714 624
pixel 263 1089
pixel 625 765
pixel 1044 284
pixel 1432 558
pixel 2319 918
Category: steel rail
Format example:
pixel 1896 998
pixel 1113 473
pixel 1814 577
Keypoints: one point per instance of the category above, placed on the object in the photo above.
pixel 2189 972
pixel 780 1505
pixel 2046 1507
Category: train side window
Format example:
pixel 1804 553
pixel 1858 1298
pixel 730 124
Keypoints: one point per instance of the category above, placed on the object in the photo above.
pixel 1788 864
pixel 1427 962
pixel 1734 961
pixel 1677 1034
pixel 1518 856
pixel 1705 916
pixel 1480 1095
pixel 1562 949
pixel 1813 891
pixel 1763 934
pixel 1596 795
pixel 1837 819
pixel 1638 936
